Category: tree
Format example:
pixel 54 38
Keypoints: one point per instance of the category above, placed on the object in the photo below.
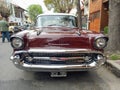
pixel 114 26
pixel 4 10
pixel 34 10
pixel 61 6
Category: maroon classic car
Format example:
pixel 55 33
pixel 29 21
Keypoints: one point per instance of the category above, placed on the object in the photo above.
pixel 58 46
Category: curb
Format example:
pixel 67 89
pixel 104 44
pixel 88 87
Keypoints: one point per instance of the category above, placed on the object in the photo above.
pixel 113 67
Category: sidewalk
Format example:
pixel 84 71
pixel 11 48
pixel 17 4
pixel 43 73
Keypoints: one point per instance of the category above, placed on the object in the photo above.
pixel 113 66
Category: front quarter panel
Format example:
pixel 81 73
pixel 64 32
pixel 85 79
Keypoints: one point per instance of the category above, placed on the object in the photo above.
pixel 22 35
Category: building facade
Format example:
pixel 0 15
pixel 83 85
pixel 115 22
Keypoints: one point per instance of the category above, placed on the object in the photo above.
pixel 17 15
pixel 12 12
pixel 98 15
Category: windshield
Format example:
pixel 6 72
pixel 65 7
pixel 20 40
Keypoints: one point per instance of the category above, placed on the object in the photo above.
pixel 56 20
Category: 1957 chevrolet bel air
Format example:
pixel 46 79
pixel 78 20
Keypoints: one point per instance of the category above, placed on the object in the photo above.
pixel 57 45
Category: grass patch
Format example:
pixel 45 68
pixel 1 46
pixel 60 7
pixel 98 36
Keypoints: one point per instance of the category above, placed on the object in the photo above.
pixel 114 56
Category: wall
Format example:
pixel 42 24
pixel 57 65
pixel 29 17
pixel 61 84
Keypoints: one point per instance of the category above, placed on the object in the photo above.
pixel 105 16
pixel 95 21
pixel 95 15
pixel 98 15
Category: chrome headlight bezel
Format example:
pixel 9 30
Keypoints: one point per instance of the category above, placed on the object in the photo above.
pixel 100 43
pixel 17 43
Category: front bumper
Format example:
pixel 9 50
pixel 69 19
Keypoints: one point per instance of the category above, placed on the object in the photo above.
pixel 93 64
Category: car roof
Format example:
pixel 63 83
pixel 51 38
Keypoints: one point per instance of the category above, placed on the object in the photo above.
pixel 56 14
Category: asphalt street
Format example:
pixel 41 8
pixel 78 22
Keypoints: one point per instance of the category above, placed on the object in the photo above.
pixel 12 78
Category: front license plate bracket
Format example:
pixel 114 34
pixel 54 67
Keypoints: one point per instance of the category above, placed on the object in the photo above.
pixel 58 74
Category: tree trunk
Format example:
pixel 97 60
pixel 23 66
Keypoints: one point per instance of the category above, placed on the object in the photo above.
pixel 79 15
pixel 114 26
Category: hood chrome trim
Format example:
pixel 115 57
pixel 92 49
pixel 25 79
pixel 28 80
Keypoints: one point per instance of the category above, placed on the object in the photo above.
pixel 58 51
pixel 63 50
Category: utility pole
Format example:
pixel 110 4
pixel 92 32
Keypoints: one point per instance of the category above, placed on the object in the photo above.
pixel 79 13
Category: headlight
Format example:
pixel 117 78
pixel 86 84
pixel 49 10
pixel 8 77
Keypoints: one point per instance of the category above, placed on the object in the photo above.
pixel 17 43
pixel 100 43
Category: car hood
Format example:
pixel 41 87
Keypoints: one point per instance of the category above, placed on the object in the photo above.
pixel 57 37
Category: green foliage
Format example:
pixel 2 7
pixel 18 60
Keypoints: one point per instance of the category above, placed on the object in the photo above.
pixel 106 30
pixel 115 57
pixel 34 10
pixel 61 6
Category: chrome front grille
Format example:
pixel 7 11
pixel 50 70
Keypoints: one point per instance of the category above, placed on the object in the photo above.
pixel 59 54
pixel 57 57
pixel 57 62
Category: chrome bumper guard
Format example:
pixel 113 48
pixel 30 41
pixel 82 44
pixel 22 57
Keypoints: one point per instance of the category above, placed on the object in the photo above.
pixel 53 67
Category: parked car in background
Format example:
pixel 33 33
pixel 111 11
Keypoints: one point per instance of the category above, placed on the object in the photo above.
pixel 17 28
pixel 14 28
pixel 58 46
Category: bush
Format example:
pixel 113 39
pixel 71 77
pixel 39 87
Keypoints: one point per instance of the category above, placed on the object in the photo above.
pixel 106 30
